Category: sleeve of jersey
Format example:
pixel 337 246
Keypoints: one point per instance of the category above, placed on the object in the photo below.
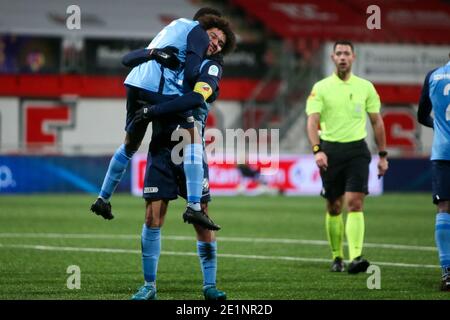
pixel 197 44
pixel 210 74
pixel 136 57
pixel 314 103
pixel 186 102
pixel 425 106
pixel 373 103
pixel 206 85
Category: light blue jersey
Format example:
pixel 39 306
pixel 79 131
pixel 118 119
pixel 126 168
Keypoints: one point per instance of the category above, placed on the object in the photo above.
pixel 439 93
pixel 201 113
pixel 151 75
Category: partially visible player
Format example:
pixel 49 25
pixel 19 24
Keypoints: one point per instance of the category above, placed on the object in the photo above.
pixel 435 97
pixel 164 181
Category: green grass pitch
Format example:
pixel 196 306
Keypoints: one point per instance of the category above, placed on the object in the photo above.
pixel 270 248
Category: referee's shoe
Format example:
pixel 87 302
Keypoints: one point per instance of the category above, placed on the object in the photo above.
pixel 338 265
pixel 199 218
pixel 358 265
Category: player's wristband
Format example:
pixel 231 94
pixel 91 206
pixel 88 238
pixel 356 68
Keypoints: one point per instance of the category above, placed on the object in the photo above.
pixel 316 148
pixel 382 154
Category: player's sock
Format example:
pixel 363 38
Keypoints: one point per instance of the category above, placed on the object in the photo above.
pixel 151 249
pixel 193 168
pixel 208 261
pixel 117 167
pixel 354 230
pixel 442 237
pixel 335 234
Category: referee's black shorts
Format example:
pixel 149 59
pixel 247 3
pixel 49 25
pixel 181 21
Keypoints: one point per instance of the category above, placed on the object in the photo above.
pixel 348 168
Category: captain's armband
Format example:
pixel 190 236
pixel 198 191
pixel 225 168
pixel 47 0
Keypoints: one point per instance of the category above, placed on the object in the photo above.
pixel 204 89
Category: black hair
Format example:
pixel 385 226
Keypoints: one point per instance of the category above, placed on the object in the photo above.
pixel 206 10
pixel 210 21
pixel 344 43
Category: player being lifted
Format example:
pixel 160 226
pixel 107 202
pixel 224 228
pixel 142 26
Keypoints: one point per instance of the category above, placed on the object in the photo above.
pixel 160 78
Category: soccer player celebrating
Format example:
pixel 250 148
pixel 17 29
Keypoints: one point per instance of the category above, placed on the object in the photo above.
pixel 161 77
pixel 164 180
pixel 435 97
pixel 339 105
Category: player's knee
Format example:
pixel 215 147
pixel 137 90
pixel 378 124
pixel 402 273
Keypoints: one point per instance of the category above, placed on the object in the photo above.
pixel 355 205
pixel 153 219
pixel 334 208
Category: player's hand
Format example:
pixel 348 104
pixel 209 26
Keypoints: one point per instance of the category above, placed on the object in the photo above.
pixel 321 160
pixel 143 115
pixel 213 97
pixel 383 166
pixel 166 56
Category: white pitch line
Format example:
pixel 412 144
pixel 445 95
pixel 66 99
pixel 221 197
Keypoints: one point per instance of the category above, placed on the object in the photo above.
pixel 224 239
pixel 222 255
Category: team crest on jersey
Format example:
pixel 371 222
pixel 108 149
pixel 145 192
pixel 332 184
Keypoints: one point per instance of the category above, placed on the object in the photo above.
pixel 213 71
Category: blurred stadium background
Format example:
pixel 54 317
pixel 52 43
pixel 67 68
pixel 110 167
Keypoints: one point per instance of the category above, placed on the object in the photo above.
pixel 62 106
pixel 62 96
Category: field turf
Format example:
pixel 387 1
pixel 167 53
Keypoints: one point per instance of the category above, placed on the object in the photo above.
pixel 270 248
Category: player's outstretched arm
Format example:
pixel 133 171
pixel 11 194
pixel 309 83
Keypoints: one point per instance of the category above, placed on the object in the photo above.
pixel 167 57
pixel 136 57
